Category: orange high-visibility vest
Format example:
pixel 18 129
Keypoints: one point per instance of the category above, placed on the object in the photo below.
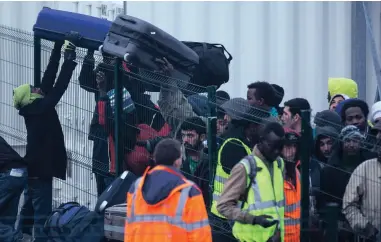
pixel 292 210
pixel 179 217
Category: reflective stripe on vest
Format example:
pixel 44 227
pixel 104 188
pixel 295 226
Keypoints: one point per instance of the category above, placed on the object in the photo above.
pixel 259 203
pixel 265 197
pixel 292 209
pixel 221 176
pixel 175 221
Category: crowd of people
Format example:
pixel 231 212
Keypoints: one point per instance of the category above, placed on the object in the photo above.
pixel 256 191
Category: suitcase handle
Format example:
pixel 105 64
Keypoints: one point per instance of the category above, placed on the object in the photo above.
pixel 128 19
pixel 227 52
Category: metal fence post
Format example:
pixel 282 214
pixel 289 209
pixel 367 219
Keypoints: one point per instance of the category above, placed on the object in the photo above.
pixel 212 139
pixel 37 60
pixel 305 156
pixel 331 216
pixel 118 122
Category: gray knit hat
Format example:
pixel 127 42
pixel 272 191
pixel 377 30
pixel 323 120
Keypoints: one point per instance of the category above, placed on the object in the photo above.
pixel 350 132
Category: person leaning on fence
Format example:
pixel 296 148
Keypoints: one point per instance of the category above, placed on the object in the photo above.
pixel 106 114
pixel 253 195
pixel 97 134
pixel 236 143
pixel 163 205
pixel 45 151
pixel 362 198
pixel 13 179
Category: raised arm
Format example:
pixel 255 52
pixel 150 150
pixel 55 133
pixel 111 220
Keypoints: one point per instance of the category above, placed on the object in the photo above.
pixel 50 73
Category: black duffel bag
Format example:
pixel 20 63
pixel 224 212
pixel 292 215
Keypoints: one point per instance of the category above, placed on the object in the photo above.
pixel 213 67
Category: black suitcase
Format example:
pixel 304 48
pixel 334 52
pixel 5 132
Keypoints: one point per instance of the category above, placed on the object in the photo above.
pixel 116 193
pixel 139 43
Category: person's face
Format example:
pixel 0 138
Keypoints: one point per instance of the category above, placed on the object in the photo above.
pixel 325 145
pixel 335 102
pixel 289 152
pixel 351 146
pixel 253 101
pixel 271 146
pixel 354 116
pixel 191 140
pixel 288 120
pixel 221 126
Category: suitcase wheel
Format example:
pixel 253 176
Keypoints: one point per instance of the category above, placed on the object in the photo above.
pixel 125 57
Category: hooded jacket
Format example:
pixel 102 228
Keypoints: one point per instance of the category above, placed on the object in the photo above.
pixel 45 152
pixel 342 86
pixel 340 170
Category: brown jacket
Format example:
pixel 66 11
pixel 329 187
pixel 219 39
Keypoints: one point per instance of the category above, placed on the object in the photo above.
pixel 234 190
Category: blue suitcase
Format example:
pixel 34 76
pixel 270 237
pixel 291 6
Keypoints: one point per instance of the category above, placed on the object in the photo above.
pixel 53 24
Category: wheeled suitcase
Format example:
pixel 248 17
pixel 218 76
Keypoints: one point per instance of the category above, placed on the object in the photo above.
pixel 139 43
pixel 54 24
pixel 116 193
pixel 114 222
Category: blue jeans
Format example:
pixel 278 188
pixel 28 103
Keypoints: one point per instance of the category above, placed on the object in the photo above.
pixel 40 192
pixel 12 184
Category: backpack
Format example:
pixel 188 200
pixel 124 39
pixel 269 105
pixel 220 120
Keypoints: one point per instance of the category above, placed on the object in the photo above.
pixel 253 173
pixel 71 222
pixel 213 67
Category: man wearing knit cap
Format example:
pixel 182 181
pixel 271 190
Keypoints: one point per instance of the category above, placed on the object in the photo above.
pixel 362 196
pixel 346 157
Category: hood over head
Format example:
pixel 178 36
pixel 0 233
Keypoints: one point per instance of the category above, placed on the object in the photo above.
pixel 22 96
pixel 328 118
pixel 342 86
pixel 323 132
pixel 160 184
pixel 375 111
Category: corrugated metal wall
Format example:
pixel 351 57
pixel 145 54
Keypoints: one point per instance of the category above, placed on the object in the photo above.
pixel 297 45
pixel 294 44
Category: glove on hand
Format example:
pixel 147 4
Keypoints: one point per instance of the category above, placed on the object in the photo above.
pixel 264 221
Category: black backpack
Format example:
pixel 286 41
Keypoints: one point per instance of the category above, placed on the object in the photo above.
pixel 213 67
pixel 71 222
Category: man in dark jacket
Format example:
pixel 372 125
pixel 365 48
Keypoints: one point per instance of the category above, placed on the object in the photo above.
pixel 13 178
pixel 347 155
pixel 195 167
pixel 45 152
pixel 100 159
pixel 236 142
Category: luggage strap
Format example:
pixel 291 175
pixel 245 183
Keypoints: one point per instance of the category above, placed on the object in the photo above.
pixel 223 47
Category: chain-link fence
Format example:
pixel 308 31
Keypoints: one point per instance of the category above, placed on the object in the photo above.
pixel 106 133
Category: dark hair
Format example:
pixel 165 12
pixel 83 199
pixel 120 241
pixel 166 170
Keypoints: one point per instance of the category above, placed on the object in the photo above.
pixel 194 123
pixel 263 90
pixel 167 151
pixel 296 105
pixel 274 127
pixel 354 103
pixel 279 94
